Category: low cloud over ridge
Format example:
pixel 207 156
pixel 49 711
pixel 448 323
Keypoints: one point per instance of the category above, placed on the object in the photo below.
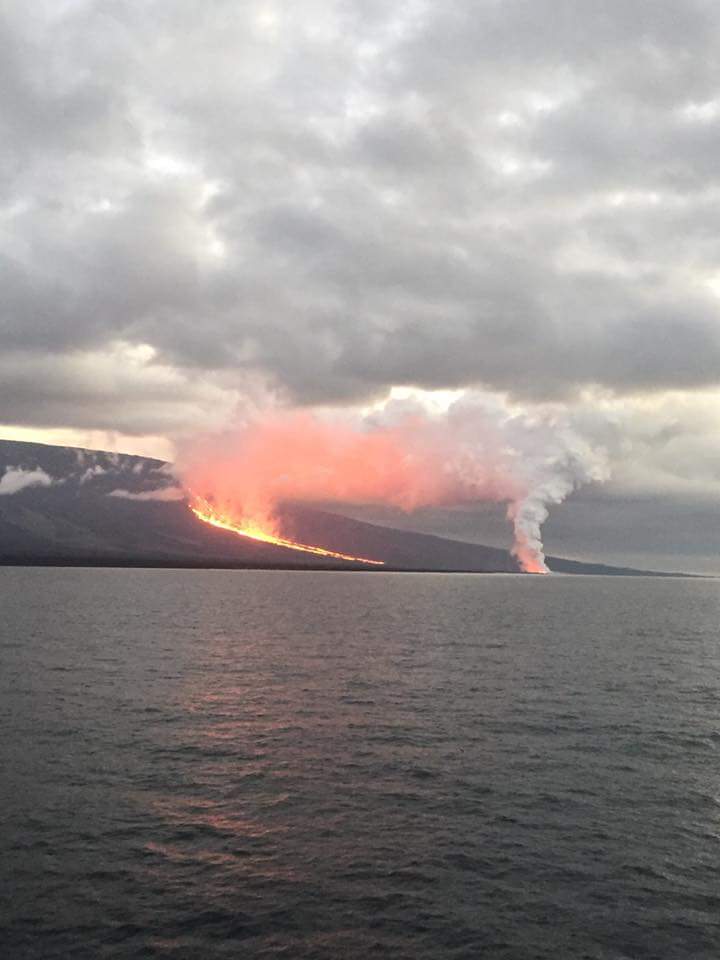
pixel 16 479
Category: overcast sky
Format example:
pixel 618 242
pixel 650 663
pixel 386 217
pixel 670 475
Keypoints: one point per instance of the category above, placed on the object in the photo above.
pixel 215 205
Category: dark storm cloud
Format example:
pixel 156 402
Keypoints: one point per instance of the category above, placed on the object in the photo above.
pixel 344 196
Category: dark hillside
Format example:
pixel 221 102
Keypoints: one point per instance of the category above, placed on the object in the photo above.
pixel 75 516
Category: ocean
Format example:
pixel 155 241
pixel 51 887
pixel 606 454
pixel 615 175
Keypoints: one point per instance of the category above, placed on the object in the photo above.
pixel 217 764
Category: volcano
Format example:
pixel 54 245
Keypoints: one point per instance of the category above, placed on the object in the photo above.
pixel 88 507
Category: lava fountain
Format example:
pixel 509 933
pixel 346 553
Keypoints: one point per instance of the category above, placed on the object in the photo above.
pixel 258 530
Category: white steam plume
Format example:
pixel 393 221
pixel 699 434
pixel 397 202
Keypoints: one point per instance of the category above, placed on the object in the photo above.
pixel 479 449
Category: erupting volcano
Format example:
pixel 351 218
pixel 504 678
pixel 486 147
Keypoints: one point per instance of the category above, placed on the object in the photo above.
pixel 256 530
pixel 468 455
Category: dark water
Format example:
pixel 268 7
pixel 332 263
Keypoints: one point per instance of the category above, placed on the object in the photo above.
pixel 240 764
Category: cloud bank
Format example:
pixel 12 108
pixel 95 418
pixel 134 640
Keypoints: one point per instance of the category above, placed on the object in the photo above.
pixel 345 197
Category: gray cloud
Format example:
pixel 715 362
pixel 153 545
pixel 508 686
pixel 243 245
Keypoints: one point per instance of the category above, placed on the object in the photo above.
pixel 325 199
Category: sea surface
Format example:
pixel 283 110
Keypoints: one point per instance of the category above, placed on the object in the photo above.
pixel 212 764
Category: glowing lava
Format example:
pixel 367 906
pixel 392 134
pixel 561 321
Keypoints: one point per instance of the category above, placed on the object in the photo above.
pixel 206 512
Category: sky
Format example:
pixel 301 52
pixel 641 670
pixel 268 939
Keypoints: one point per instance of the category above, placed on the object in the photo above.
pixel 210 207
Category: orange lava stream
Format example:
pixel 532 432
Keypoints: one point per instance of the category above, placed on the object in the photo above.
pixel 206 512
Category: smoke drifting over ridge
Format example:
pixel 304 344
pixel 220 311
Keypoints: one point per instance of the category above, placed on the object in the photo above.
pixel 403 457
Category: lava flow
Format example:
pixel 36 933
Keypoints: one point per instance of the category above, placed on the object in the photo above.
pixel 205 511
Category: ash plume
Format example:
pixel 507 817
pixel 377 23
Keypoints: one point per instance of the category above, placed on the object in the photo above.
pixel 479 450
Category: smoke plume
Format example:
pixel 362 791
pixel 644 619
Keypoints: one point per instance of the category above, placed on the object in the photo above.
pixel 403 457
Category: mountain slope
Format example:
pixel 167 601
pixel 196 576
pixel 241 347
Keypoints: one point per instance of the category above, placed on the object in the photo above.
pixel 74 506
